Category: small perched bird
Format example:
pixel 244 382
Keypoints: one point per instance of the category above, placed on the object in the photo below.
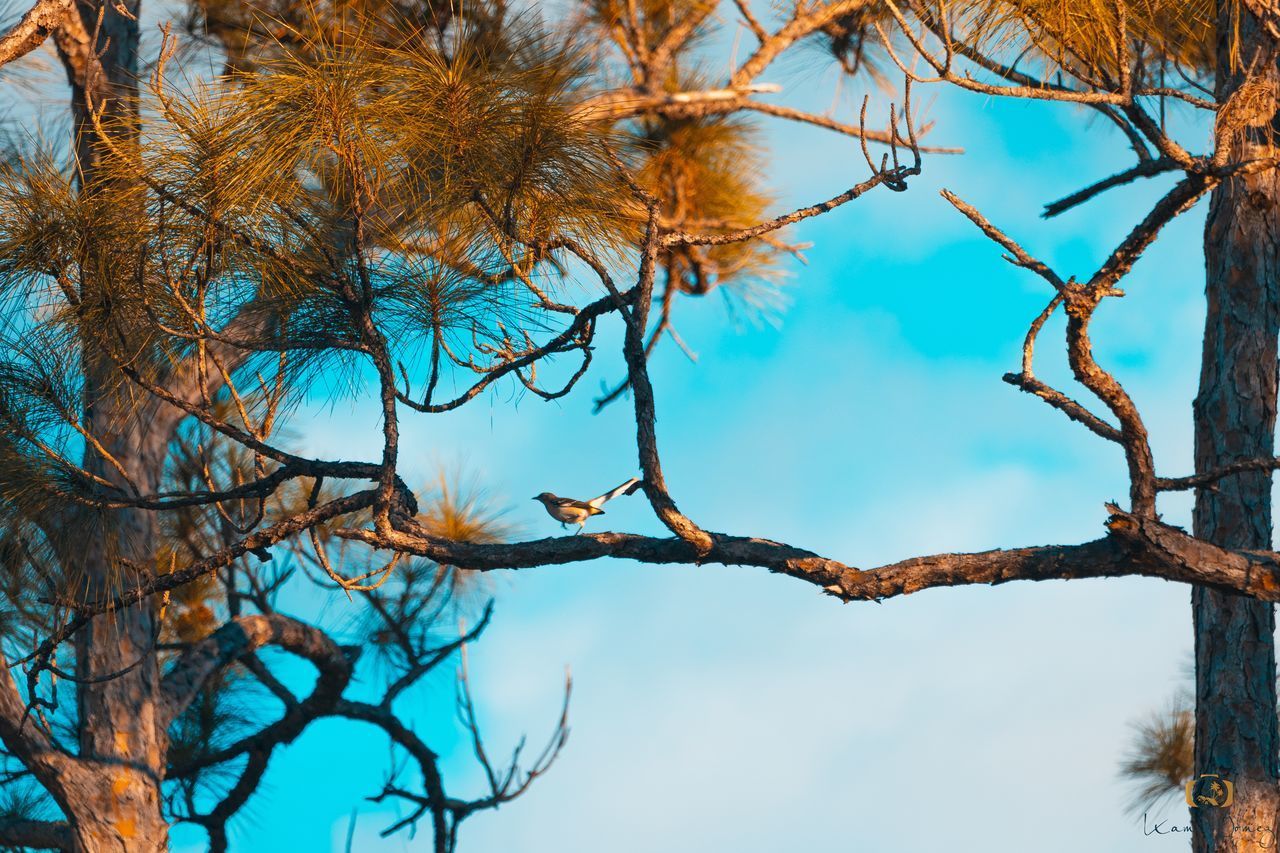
pixel 570 511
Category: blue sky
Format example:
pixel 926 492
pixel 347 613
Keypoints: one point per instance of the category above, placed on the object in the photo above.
pixel 723 708
pixel 727 709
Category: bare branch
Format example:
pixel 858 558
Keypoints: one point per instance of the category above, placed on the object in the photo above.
pixel 1017 255
pixel 36 834
pixel 243 636
pixel 36 25
pixel 633 349
pixel 1178 200
pixel 264 538
pixel 55 770
pixel 1064 404
pixel 675 39
pixel 435 801
pixel 883 136
pixel 1135 546
pixel 895 178
pixel 1080 303
pixel 1208 478
pixel 757 29
pixel 626 103
pixel 807 20
pixel 1144 169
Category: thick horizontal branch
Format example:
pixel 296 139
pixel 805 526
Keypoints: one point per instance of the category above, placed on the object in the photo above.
pixel 410 537
pixel 626 103
pixel 1133 546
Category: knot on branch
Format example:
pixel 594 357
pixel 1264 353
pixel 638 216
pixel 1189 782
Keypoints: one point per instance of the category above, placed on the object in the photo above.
pixel 404 501
pixel 1162 550
pixel 1121 522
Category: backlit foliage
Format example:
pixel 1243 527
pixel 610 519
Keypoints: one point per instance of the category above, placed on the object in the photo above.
pixel 1160 760
pixel 1083 34
pixel 417 204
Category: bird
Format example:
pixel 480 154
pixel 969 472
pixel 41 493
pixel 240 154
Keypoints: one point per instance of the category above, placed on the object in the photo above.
pixel 571 511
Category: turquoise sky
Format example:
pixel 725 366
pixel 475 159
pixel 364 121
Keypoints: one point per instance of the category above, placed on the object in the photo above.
pixel 725 709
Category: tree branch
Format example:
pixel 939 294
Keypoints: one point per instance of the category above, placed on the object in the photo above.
pixel 215 822
pixel 633 350
pixel 800 26
pixel 435 801
pixel 238 638
pixel 1017 255
pixel 1064 404
pixel 1178 200
pixel 1144 169
pixel 30 32
pixel 36 834
pixel 52 768
pixel 627 103
pixel 1135 546
pixel 1208 478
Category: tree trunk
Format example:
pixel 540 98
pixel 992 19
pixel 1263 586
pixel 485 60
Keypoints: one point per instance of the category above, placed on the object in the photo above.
pixel 119 807
pixel 1235 413
pixel 119 730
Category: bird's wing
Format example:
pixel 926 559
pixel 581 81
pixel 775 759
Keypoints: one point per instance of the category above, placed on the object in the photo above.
pixel 591 509
pixel 626 488
pixel 572 502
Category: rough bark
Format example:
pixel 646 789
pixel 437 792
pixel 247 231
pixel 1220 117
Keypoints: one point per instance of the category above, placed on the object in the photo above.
pixel 30 32
pixel 119 723
pixel 117 804
pixel 1135 545
pixel 1235 411
pixel 101 61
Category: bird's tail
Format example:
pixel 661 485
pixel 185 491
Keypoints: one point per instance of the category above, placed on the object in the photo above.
pixel 626 488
